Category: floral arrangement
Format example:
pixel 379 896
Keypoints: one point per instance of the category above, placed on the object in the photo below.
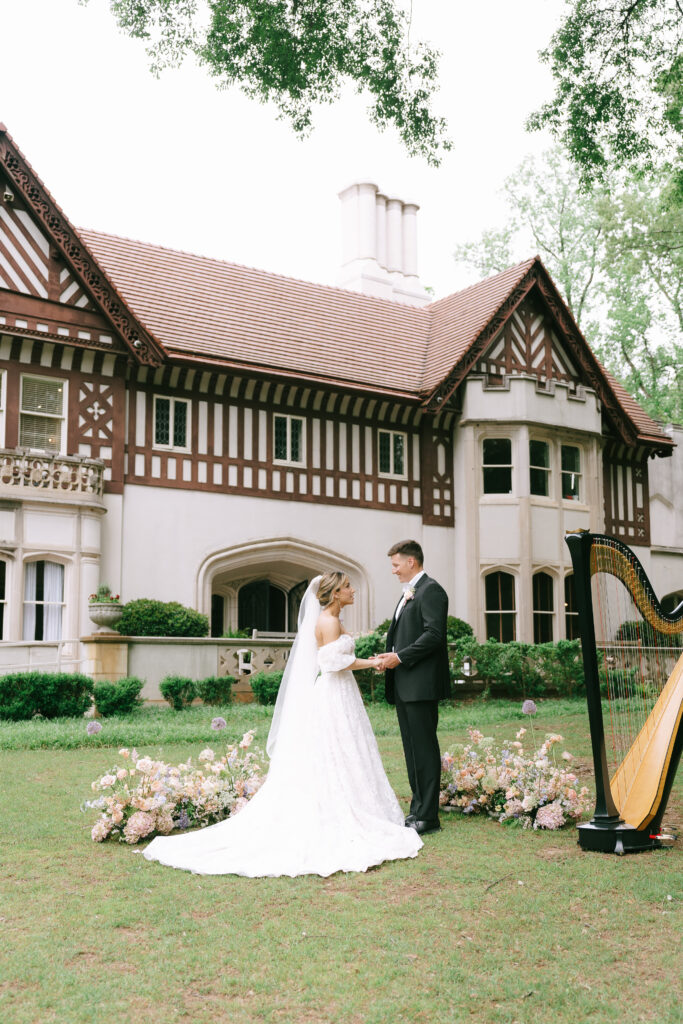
pixel 141 798
pixel 529 790
pixel 103 595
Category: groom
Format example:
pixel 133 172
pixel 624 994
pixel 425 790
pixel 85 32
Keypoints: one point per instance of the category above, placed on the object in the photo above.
pixel 417 677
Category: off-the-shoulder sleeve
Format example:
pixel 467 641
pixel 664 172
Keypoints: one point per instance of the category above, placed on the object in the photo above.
pixel 335 657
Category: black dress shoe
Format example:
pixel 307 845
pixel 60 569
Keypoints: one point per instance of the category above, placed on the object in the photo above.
pixel 410 818
pixel 423 828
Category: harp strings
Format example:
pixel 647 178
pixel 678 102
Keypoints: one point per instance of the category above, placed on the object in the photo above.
pixel 637 651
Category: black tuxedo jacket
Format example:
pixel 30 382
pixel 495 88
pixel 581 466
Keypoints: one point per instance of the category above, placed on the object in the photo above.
pixel 419 639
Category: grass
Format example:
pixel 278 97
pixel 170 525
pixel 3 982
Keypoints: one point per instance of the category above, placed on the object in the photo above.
pixel 488 924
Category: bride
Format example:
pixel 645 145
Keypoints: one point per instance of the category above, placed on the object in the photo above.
pixel 326 804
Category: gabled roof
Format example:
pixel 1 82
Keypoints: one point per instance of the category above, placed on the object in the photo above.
pixel 169 304
pixel 217 310
pixel 61 233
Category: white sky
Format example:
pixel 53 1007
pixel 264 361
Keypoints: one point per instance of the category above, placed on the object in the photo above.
pixel 176 162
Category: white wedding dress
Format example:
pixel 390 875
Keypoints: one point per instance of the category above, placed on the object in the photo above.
pixel 326 804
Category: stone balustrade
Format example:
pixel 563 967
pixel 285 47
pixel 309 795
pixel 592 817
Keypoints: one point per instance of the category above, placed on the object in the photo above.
pixel 29 472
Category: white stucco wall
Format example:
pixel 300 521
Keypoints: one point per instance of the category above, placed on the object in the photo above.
pixel 172 540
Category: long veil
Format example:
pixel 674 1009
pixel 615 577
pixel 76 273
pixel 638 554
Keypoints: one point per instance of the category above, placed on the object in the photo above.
pixel 289 727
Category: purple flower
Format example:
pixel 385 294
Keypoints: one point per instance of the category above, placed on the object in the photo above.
pixel 92 728
pixel 218 723
pixel 528 708
pixel 183 820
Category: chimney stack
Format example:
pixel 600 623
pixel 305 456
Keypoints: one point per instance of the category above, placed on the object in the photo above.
pixel 380 245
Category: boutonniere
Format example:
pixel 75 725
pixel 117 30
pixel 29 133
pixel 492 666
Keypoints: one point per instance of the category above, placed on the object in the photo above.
pixel 409 593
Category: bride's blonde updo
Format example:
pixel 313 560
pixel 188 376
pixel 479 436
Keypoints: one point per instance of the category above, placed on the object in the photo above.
pixel 330 582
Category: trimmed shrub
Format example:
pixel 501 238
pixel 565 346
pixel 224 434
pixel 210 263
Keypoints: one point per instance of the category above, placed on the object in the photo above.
pixel 146 617
pixel 178 691
pixel 457 628
pixel 266 686
pixel 215 689
pixel 522 670
pixel 50 694
pixel 371 683
pixel 118 698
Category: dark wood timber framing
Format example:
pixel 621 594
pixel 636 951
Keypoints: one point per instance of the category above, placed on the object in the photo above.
pixel 142 346
pixel 537 278
pixel 627 494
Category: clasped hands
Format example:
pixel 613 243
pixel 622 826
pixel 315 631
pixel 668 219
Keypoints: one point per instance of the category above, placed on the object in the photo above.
pixel 381 662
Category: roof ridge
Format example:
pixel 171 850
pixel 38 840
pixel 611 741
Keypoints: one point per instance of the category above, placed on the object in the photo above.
pixel 258 270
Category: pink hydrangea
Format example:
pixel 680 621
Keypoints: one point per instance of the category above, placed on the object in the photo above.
pixel 549 816
pixel 139 825
pixel 100 830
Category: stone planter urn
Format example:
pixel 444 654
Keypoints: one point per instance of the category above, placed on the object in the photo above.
pixel 105 615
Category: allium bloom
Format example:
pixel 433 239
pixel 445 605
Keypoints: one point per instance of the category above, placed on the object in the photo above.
pixel 92 728
pixel 528 708
pixel 218 723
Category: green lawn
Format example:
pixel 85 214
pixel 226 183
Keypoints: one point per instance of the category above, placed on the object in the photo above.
pixel 489 924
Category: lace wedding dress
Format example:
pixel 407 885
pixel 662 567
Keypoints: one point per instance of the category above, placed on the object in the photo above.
pixel 326 804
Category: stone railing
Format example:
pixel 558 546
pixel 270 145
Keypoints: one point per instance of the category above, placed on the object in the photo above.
pixel 56 474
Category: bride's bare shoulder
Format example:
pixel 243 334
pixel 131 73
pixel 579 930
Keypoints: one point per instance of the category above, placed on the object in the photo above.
pixel 327 628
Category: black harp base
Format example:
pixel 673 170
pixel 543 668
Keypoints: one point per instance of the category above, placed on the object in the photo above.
pixel 615 837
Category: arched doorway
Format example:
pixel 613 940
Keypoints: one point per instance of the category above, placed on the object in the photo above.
pixel 265 580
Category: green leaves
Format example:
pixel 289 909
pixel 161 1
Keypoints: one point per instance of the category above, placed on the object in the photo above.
pixel 616 254
pixel 299 53
pixel 618 70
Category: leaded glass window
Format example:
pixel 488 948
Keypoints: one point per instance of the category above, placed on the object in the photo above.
pixel 288 439
pixel 171 423
pixel 391 452
pixel 41 418
pixel 500 606
pixel 543 606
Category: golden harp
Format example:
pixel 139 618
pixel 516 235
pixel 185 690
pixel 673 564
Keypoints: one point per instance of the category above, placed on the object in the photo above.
pixel 633 664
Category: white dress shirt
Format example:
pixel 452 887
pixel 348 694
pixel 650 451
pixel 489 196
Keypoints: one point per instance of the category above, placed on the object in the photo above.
pixel 407 586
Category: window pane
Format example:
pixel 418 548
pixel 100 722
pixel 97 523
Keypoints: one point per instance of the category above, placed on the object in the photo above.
pixel 571 458
pixel 41 432
pixel 384 452
pixel 497 481
pixel 3 577
pixel 543 592
pixel 539 453
pixel 538 481
pixel 162 421
pixel 571 618
pixel 398 454
pixel 570 485
pixel 497 451
pixel 295 430
pixel 500 591
pixel 281 437
pixel 42 395
pixel 180 424
pixel 543 629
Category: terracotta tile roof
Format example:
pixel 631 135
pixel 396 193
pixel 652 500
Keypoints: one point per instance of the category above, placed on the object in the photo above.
pixel 458 319
pixel 200 307
pixel 647 427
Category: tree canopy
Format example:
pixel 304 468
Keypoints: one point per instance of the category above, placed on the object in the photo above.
pixel 618 103
pixel 296 53
pixel 616 255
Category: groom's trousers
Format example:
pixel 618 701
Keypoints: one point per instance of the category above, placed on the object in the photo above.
pixel 418 721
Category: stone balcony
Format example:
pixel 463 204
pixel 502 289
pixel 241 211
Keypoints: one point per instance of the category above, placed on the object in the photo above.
pixel 25 474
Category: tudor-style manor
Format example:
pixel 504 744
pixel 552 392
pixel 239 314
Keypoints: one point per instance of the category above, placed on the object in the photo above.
pixel 184 428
